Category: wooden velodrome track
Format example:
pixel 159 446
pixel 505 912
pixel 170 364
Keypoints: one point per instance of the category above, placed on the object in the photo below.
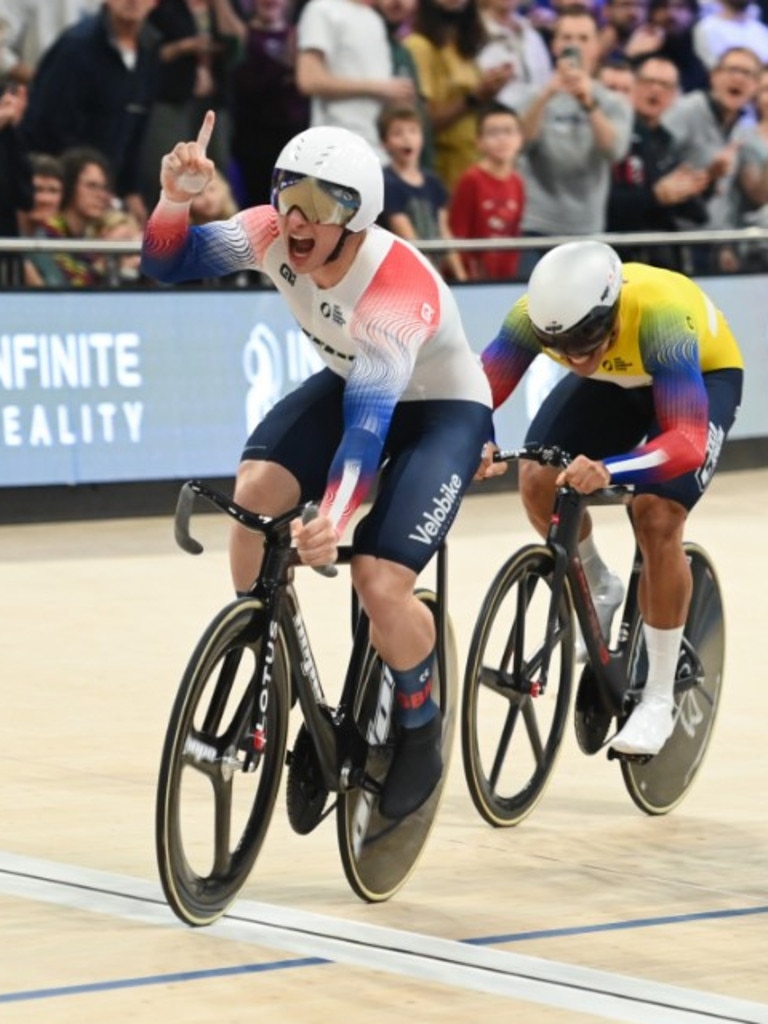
pixel 588 911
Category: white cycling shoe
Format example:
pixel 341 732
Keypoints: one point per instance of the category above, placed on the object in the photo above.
pixel 607 597
pixel 648 727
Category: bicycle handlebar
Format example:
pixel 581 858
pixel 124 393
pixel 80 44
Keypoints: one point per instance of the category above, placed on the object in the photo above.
pixel 330 571
pixel 181 519
pixel 186 501
pixel 552 455
pixel 545 455
pixel 250 520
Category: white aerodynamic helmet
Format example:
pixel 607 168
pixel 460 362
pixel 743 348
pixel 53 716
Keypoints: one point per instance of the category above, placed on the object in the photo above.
pixel 573 296
pixel 332 175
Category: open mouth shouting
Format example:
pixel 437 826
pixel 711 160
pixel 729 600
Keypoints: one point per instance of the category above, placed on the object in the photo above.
pixel 735 80
pixel 300 247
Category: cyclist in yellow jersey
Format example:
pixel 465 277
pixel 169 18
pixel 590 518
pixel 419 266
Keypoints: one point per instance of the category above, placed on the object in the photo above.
pixel 654 387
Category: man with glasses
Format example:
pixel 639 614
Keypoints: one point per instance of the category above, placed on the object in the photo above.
pixel 708 126
pixel 85 199
pixel 400 385
pixel 652 187
pixel 653 389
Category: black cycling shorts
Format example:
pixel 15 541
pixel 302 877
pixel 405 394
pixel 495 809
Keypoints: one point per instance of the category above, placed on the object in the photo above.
pixel 599 419
pixel 431 453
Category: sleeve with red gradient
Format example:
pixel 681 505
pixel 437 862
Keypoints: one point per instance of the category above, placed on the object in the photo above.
pixel 671 356
pixel 173 250
pixel 397 314
pixel 508 356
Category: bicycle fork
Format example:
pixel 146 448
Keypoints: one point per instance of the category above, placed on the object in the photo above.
pixel 264 674
pixel 551 636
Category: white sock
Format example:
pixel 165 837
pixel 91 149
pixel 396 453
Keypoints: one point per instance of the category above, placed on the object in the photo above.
pixel 663 646
pixel 593 565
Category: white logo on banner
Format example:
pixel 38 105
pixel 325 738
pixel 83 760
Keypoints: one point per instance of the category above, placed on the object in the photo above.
pixel 273 368
pixel 64 367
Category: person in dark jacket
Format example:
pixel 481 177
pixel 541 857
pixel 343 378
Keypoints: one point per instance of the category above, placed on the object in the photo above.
pixel 15 180
pixel 94 87
pixel 651 188
pixel 676 19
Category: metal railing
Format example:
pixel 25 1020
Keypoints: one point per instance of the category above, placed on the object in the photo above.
pixel 746 238
pixel 750 235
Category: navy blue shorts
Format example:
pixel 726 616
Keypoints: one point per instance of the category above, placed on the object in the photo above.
pixel 598 419
pixel 431 453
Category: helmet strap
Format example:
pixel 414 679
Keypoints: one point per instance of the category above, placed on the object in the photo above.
pixel 345 232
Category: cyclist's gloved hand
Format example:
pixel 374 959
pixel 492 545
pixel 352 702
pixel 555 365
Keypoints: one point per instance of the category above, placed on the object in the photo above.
pixel 316 541
pixel 488 467
pixel 584 475
pixel 186 170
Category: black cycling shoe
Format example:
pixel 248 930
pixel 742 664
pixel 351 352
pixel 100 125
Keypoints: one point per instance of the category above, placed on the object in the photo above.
pixel 417 766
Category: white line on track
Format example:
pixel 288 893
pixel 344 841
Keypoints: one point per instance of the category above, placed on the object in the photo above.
pixel 618 998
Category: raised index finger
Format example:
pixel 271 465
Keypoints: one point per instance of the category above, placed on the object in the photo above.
pixel 206 130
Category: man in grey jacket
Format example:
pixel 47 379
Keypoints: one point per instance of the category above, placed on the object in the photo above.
pixel 710 126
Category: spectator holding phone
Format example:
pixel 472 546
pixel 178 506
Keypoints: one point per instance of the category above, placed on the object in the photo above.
pixel 575 130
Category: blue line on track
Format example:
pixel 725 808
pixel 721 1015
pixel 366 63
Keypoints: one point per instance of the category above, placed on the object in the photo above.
pixel 313 961
pixel 158 979
pixel 615 926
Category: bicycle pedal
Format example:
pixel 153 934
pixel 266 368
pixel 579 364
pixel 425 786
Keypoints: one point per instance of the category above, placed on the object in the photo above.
pixel 369 784
pixel 639 759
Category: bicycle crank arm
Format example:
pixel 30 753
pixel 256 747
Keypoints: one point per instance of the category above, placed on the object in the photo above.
pixel 615 755
pixel 358 778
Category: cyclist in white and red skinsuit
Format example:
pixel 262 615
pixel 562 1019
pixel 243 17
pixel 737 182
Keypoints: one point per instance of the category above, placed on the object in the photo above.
pixel 401 384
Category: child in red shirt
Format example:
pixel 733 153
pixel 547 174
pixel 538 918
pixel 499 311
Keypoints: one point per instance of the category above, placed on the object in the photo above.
pixel 489 197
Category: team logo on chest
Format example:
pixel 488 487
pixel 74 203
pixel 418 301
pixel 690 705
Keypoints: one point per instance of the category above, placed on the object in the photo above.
pixel 619 364
pixel 333 312
pixel 287 274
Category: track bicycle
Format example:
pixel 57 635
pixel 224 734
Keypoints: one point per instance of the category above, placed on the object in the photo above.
pixel 518 679
pixel 227 737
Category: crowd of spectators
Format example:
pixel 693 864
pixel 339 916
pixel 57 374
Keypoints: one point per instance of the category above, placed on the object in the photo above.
pixel 493 119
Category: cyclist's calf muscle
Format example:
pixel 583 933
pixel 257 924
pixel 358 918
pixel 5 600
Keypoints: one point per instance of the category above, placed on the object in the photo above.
pixel 665 584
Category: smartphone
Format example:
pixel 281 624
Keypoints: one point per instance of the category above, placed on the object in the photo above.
pixel 572 54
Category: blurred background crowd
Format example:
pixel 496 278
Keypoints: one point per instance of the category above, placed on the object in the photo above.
pixel 493 119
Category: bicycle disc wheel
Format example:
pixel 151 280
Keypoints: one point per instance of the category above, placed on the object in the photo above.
pixel 659 785
pixel 211 814
pixel 511 726
pixel 380 855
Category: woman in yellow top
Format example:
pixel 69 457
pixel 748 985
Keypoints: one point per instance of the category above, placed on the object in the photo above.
pixel 447 36
pixel 654 388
